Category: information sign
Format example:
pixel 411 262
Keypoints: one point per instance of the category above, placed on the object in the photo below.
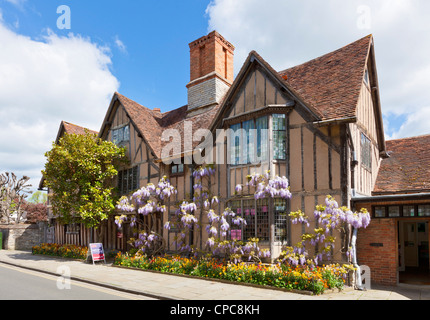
pixel 97 252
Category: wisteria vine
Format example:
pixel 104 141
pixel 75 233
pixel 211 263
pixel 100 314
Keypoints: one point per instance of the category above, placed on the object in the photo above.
pixel 329 218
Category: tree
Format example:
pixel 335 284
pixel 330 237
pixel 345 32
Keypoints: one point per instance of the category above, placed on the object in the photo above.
pixel 79 172
pixel 38 197
pixel 13 192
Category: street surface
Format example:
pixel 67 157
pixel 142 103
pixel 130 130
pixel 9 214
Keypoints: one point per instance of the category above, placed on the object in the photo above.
pixel 21 284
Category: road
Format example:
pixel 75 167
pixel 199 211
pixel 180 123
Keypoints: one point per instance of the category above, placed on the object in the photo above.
pixel 21 284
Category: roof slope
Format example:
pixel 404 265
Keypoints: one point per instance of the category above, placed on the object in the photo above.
pixel 71 128
pixel 331 83
pixel 408 168
pixel 151 124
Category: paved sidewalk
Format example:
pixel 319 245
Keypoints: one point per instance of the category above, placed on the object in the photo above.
pixel 164 286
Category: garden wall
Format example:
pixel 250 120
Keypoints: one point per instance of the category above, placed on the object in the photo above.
pixel 23 236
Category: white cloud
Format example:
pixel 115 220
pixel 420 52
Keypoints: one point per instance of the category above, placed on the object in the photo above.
pixel 120 45
pixel 287 33
pixel 43 82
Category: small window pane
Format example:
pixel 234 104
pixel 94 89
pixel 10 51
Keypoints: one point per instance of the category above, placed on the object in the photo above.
pixel 379 212
pixel 263 220
pixel 394 212
pixel 126 135
pixel 424 211
pixel 409 211
pixel 262 138
pixel 180 168
pixel 281 220
pixel 235 144
pixel 249 137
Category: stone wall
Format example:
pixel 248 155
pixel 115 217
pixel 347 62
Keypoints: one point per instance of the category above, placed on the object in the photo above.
pixel 23 236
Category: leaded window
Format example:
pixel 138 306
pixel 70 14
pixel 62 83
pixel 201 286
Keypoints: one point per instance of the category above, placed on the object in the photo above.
pixel 279 137
pixel 120 135
pixel 249 141
pixel 128 180
pixel 366 154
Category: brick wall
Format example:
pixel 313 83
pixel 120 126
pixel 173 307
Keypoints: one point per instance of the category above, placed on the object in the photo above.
pixel 377 248
pixel 211 53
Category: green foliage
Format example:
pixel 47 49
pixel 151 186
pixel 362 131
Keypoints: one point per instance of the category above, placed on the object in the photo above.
pixel 38 197
pixel 79 172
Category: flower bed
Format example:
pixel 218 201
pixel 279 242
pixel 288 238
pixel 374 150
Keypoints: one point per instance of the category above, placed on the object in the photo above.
pixel 302 278
pixel 64 251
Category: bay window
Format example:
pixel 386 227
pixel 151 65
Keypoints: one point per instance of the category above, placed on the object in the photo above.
pixel 249 140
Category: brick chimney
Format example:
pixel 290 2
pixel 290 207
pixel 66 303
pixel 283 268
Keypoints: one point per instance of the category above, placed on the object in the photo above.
pixel 211 72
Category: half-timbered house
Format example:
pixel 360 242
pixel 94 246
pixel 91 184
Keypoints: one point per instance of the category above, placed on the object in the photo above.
pixel 323 131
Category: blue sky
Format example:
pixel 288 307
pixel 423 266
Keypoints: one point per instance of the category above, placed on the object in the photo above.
pixel 140 48
pixel 155 35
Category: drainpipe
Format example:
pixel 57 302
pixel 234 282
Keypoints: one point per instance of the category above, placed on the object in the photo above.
pixel 359 283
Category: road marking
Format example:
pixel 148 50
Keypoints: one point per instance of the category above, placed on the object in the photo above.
pixel 75 282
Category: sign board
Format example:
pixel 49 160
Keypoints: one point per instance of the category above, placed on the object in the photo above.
pixel 97 252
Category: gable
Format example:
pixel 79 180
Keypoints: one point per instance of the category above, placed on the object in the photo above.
pixel 260 89
pixel 257 91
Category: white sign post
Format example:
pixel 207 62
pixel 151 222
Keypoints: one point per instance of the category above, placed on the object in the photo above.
pixel 97 252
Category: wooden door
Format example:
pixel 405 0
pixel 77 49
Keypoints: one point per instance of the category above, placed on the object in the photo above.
pixel 410 244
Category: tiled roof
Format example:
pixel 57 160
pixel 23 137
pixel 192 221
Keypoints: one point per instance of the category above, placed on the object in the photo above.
pixel 145 120
pixel 408 168
pixel 71 128
pixel 331 83
pixel 151 124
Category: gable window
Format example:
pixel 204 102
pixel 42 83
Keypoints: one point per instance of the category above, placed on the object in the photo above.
pixel 366 77
pixel 279 137
pixel 120 135
pixel 366 154
pixel 128 180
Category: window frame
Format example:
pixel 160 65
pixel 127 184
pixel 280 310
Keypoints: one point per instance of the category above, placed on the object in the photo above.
pixel 241 145
pixel 259 214
pixel 120 135
pixel 132 173
pixel 282 133
pixel 402 207
pixel 178 171
pixel 365 152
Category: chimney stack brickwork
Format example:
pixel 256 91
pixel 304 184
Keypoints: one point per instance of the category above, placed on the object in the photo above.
pixel 211 70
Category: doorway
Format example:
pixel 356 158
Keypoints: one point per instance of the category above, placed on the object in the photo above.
pixel 413 240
